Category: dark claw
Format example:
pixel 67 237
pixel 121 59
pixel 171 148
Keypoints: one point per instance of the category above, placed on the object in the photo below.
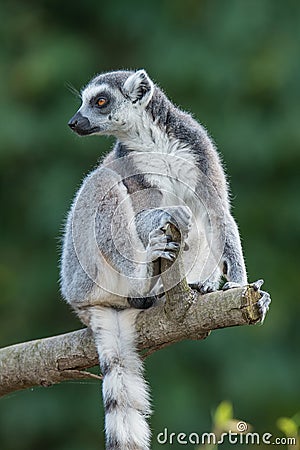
pixel 230 285
pixel 204 288
pixel 257 285
pixel 195 286
pixel 173 246
pixel 264 301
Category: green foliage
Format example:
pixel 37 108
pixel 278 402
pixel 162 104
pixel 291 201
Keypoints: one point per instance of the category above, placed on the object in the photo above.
pixel 223 414
pixel 236 66
pixel 289 427
pixel 223 422
pixel 224 426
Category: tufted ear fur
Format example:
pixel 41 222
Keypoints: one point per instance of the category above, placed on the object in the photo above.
pixel 139 88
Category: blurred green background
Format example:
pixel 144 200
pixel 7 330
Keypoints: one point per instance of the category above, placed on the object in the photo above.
pixel 236 66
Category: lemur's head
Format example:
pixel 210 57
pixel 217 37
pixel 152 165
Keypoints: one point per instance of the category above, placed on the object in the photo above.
pixel 111 102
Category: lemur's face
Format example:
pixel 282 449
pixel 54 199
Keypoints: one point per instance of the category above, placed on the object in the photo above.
pixel 111 104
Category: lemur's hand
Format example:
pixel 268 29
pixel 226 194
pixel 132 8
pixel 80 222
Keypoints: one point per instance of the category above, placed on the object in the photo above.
pixel 160 244
pixel 180 217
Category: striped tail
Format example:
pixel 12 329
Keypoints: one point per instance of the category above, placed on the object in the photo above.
pixel 125 393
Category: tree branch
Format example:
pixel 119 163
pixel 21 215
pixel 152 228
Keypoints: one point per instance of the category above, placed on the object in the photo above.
pixel 185 314
pixel 52 360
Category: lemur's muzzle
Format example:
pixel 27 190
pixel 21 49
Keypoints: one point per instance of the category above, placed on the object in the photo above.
pixel 81 125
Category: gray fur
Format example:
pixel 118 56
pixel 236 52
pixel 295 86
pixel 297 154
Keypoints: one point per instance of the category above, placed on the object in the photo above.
pixel 163 169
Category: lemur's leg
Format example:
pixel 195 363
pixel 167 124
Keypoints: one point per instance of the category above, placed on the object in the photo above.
pixel 233 264
pixel 110 252
pixel 151 227
pixel 232 261
pixel 225 246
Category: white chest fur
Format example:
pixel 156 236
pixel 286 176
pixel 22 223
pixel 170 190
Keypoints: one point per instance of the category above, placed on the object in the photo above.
pixel 164 161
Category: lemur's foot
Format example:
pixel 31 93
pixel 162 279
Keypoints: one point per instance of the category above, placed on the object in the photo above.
pixel 204 287
pixel 161 246
pixel 230 285
pixel 263 304
pixel 265 300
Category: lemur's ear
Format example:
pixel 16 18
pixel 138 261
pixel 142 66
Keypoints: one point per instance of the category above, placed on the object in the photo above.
pixel 139 88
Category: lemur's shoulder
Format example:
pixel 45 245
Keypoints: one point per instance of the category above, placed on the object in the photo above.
pixel 180 124
pixel 191 135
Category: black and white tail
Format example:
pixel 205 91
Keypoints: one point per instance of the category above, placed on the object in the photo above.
pixel 125 393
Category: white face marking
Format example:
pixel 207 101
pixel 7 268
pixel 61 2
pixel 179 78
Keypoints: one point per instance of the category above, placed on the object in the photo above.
pixel 92 91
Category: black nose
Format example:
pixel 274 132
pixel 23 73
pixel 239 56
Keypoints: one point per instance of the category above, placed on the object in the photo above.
pixel 75 121
pixel 80 124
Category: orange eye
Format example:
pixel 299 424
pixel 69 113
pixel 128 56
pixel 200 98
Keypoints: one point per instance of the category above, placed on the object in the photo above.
pixel 101 101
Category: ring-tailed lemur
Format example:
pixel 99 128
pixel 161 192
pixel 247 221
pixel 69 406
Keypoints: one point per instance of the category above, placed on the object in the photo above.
pixel 163 169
